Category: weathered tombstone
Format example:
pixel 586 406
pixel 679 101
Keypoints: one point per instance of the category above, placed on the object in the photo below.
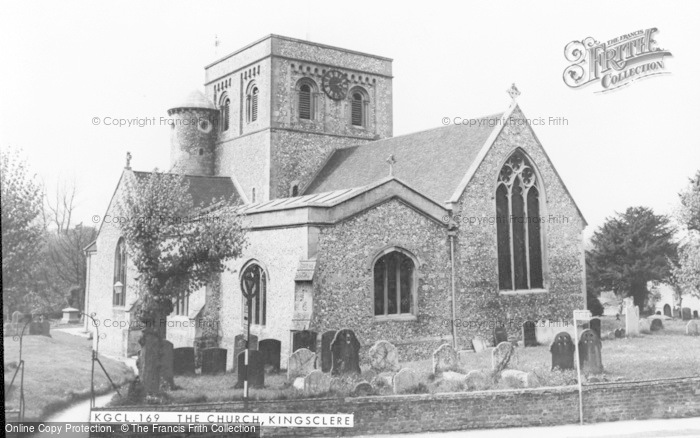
pixel 405 380
pixel 595 325
pixel 479 344
pixel 362 388
pixel 167 371
pixel 695 314
pixel 345 350
pixel 618 333
pixel 499 335
pixel 562 350
pixel 520 379
pixel 686 314
pixel 644 326
pixel 71 315
pixel 271 352
pixel 529 334
pixel 445 358
pixel 213 360
pixel 301 363
pixel 590 353
pixel 656 324
pixel 304 339
pixel 316 382
pixel 239 345
pixel 183 361
pixel 45 328
pixel 383 356
pixel 632 321
pixel 256 369
pixel 692 328
pixel 34 328
pixel 501 355
pixel 476 380
pixel 326 355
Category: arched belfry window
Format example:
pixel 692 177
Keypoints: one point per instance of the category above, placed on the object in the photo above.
pixel 119 281
pixel 306 99
pixel 394 283
pixel 256 277
pixel 519 225
pixel 224 108
pixel 252 102
pixel 359 102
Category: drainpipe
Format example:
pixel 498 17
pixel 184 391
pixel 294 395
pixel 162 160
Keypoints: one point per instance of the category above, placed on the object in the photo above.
pixel 452 232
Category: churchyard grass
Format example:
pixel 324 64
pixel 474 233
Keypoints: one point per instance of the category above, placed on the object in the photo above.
pixel 56 372
pixel 664 354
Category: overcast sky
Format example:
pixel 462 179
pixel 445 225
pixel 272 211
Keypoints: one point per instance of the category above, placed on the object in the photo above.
pixel 64 63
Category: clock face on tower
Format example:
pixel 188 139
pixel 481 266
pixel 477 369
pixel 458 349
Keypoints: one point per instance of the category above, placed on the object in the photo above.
pixel 335 84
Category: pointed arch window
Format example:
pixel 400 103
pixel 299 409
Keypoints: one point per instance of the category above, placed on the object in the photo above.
pixel 119 281
pixel 394 284
pixel 519 223
pixel 258 278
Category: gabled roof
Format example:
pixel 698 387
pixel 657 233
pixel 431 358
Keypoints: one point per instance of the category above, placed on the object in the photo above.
pixel 205 190
pixel 432 162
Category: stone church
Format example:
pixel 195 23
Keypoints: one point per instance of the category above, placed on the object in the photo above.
pixel 349 226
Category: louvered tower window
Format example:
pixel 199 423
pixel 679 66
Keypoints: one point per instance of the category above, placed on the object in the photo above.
pixel 358 110
pixel 305 111
pixel 252 104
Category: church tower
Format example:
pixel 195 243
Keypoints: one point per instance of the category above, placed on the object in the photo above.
pixel 193 135
pixel 285 104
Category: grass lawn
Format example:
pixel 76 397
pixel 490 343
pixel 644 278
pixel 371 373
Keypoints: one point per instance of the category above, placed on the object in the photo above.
pixel 56 372
pixel 665 354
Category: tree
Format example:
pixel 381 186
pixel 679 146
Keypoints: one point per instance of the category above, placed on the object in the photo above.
pixel 174 252
pixel 686 276
pixel 21 230
pixel 631 249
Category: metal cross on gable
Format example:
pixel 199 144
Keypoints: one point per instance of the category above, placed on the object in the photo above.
pixel 391 160
pixel 513 92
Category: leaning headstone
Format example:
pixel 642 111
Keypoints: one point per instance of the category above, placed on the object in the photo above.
pixel 345 350
pixel 686 314
pixel 590 353
pixel 213 360
pixel 183 361
pixel 529 334
pixel 301 363
pixel 445 358
pixel 317 382
pixel 362 388
pixel 520 379
pixel 479 344
pixel 476 380
pixel 167 372
pixel 692 328
pixel 562 350
pixel 326 355
pixel 45 328
pixel 499 335
pixel 618 333
pixel 304 339
pixel 656 324
pixel 595 325
pixel 405 380
pixel 256 369
pixel 271 351
pixel 644 326
pixel 239 345
pixel 383 356
pixel 502 355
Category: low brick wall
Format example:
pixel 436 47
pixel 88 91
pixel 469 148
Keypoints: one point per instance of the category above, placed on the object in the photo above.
pixel 671 398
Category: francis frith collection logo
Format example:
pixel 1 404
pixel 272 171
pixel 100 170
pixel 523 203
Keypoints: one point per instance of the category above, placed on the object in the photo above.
pixel 615 63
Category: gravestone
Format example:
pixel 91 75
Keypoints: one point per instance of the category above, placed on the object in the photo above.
pixel 239 345
pixel 618 333
pixel 520 379
pixel 345 350
pixel 405 380
pixel 692 328
pixel 45 328
pixel 213 360
pixel 632 321
pixel 304 339
pixel 499 335
pixel 695 314
pixel 326 356
pixel 476 380
pixel 316 382
pixel 183 361
pixel 595 325
pixel 686 314
pixel 562 350
pixel 383 356
pixel 167 372
pixel 667 311
pixel 271 352
pixel 34 328
pixel 301 363
pixel 502 355
pixel 656 325
pixel 644 326
pixel 256 369
pixel 71 315
pixel 479 344
pixel 529 334
pixel 445 358
pixel 590 353
pixel 362 388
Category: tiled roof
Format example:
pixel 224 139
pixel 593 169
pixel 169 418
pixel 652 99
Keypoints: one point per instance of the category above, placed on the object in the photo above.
pixel 326 199
pixel 205 189
pixel 432 162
